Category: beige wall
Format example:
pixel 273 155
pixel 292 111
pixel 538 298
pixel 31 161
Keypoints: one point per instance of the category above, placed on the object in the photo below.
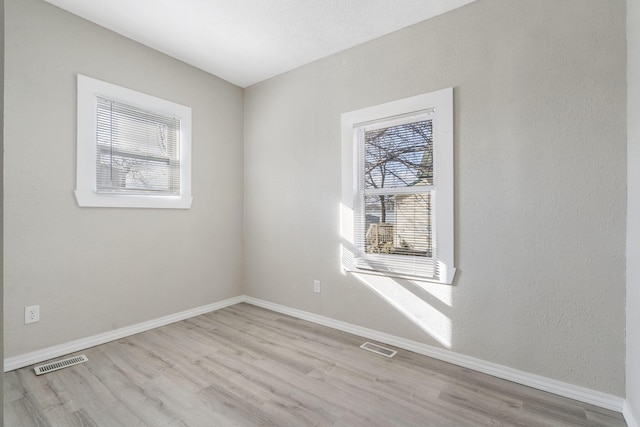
pixel 540 156
pixel 93 270
pixel 633 212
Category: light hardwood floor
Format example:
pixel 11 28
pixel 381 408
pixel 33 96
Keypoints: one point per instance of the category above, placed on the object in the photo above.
pixel 246 366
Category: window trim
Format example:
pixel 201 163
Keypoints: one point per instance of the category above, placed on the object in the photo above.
pixel 86 194
pixel 441 102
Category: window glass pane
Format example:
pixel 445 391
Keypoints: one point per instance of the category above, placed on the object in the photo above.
pixel 399 156
pixel 399 224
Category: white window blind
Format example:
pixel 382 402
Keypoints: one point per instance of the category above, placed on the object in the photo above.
pixel 394 219
pixel 137 150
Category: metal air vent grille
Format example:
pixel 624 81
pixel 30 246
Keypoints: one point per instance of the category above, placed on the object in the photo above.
pixel 60 364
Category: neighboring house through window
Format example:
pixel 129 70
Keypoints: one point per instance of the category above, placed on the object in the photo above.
pixel 134 150
pixel 399 161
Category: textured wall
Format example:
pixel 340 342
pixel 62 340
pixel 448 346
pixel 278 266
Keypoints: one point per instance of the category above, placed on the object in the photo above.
pixel 633 210
pixel 92 270
pixel 540 186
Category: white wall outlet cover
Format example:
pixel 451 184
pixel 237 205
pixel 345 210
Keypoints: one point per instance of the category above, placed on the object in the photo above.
pixel 31 314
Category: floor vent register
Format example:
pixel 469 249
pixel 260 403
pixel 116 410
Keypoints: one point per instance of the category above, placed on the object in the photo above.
pixel 60 364
pixel 378 349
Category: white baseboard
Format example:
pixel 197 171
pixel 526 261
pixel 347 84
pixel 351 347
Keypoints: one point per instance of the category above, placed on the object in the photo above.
pixel 628 416
pixel 38 356
pixel 571 391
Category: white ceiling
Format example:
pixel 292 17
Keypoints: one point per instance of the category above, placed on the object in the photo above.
pixel 247 41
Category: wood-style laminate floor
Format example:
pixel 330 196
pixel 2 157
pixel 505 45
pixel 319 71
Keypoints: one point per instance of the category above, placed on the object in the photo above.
pixel 246 366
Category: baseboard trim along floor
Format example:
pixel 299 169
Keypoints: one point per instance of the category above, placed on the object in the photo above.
pixel 628 416
pixel 560 388
pixel 571 391
pixel 49 353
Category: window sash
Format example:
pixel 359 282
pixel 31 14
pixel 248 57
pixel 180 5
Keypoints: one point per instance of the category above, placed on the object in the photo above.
pixel 383 246
pixel 405 243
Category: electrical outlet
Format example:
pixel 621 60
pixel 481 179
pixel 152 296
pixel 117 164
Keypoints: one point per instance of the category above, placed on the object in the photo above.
pixel 316 286
pixel 31 314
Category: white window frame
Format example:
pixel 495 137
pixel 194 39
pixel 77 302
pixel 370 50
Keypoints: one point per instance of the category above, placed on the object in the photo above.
pixel 440 268
pixel 86 195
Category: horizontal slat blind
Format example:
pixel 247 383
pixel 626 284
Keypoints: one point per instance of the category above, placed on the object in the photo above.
pixel 394 221
pixel 137 150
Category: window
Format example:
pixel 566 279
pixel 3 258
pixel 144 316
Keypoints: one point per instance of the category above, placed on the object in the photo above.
pixel 398 161
pixel 134 150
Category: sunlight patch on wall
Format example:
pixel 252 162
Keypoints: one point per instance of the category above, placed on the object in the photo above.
pixel 346 223
pixel 419 312
pixel 346 232
pixel 444 293
pixel 408 303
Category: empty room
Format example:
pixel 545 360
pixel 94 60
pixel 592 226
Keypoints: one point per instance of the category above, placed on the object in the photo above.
pixel 327 213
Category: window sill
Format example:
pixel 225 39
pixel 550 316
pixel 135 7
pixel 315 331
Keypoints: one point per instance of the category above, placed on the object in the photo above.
pixel 447 281
pixel 94 200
